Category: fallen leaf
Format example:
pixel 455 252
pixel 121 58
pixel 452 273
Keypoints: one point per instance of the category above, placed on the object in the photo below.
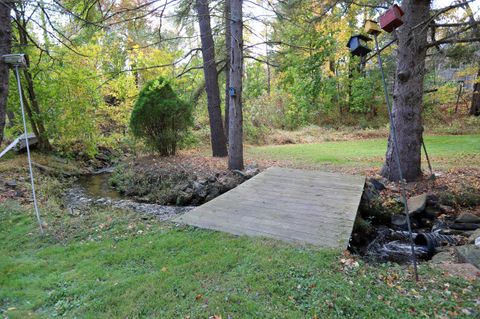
pixel 198 297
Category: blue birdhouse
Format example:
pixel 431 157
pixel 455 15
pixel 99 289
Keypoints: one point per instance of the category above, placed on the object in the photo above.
pixel 358 45
pixel 232 92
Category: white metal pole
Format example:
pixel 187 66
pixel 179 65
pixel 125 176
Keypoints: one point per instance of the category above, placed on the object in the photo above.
pixel 37 212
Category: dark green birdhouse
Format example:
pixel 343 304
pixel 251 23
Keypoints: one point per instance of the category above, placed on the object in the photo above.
pixel 358 45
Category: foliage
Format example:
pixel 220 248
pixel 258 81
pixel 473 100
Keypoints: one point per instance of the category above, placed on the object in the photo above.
pixel 365 91
pixel 160 117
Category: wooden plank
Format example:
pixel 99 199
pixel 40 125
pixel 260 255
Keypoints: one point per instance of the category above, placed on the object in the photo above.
pixel 287 204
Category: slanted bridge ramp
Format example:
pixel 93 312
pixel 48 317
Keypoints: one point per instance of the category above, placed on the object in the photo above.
pixel 292 205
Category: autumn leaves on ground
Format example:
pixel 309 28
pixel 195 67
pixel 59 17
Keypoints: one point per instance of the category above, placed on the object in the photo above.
pixel 101 262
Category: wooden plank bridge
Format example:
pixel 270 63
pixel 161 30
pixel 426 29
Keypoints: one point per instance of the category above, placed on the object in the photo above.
pixel 292 205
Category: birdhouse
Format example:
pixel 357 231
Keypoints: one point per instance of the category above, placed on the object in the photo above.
pixel 358 45
pixel 391 19
pixel 371 27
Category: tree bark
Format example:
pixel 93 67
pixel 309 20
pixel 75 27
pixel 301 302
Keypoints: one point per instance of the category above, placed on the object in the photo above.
pixel 5 48
pixel 408 93
pixel 33 111
pixel 475 107
pixel 228 48
pixel 235 141
pixel 217 134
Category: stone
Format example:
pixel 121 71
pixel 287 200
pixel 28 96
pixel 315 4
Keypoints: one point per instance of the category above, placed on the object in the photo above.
pixel 431 212
pixel 464 226
pixel 469 254
pixel 467 218
pixel 250 172
pixel 447 256
pixel 416 204
pixel 184 198
pixel 240 173
pixel 463 270
pixel 473 236
pixel 446 209
pixel 212 193
pixel 379 186
pixel 11 183
pixel 199 189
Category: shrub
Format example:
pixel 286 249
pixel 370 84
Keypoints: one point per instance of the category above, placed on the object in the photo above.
pixel 160 117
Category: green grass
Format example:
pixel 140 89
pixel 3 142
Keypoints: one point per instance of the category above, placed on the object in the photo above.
pixel 448 150
pixel 115 264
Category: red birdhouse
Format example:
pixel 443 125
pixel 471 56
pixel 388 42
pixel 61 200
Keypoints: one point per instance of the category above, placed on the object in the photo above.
pixel 391 19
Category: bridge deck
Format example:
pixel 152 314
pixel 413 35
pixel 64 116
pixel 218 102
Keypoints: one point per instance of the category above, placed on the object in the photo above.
pixel 288 204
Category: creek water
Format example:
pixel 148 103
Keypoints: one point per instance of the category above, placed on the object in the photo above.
pixel 95 189
pixel 98 186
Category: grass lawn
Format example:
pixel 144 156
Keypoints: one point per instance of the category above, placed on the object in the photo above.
pixel 115 264
pixel 445 151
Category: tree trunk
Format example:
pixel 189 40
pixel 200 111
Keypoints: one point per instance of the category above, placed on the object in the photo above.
pixel 217 135
pixel 408 93
pixel 5 48
pixel 228 48
pixel 33 110
pixel 475 108
pixel 235 145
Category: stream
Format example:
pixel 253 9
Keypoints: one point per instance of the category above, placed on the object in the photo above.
pixel 95 189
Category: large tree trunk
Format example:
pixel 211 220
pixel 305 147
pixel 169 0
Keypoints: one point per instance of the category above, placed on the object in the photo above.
pixel 217 135
pixel 5 47
pixel 235 140
pixel 33 109
pixel 475 108
pixel 228 48
pixel 408 93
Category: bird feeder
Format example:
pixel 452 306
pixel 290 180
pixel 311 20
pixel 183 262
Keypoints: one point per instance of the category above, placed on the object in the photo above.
pixel 371 27
pixel 391 19
pixel 358 45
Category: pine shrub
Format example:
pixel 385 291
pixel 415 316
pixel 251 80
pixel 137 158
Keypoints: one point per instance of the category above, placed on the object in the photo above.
pixel 160 118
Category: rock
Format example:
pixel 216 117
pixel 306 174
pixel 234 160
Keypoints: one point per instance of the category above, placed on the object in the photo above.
pixel 379 186
pixel 199 189
pixel 473 236
pixel 464 226
pixel 212 193
pixel 240 173
pixel 400 222
pixel 250 172
pixel 464 270
pixel 446 209
pixel 184 198
pixel 104 170
pixel 467 218
pixel 11 183
pixel 431 212
pixel 417 204
pixel 469 254
pixel 447 256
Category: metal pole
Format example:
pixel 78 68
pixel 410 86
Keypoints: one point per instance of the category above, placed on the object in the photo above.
pixel 397 159
pixel 37 213
pixel 428 159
